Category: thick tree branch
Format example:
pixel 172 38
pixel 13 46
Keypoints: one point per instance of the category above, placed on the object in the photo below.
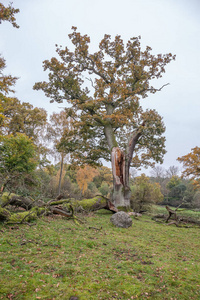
pixel 133 142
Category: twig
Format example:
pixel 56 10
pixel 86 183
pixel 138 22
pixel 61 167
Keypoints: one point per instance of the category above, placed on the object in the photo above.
pixel 90 79
pixel 9 243
pixel 30 225
pixel 95 228
pixel 24 242
pixel 179 205
pixel 158 90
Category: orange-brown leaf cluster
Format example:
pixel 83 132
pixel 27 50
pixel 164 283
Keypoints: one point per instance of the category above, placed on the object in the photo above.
pixel 191 165
pixel 84 176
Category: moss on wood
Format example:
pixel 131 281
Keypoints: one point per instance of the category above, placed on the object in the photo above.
pixel 92 204
pixel 26 216
pixel 5 198
pixel 4 214
pixel 124 208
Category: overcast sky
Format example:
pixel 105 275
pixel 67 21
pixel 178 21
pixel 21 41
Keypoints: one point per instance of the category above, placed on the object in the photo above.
pixel 165 25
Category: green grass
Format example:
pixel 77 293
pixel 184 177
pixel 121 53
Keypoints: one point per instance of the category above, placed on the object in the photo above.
pixel 56 259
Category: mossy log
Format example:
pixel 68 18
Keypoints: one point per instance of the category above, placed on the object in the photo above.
pixel 21 217
pixel 16 200
pixel 33 209
pixel 4 214
pixel 93 204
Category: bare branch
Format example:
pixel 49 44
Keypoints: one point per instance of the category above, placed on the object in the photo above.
pixel 158 90
pixel 90 79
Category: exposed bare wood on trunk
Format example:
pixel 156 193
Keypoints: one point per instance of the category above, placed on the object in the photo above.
pixel 120 185
pixel 117 158
pixel 121 162
pixel 111 207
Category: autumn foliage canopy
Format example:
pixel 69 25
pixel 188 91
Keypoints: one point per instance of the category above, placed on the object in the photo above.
pixel 107 114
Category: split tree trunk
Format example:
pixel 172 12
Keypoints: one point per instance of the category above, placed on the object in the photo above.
pixel 121 162
pixel 120 169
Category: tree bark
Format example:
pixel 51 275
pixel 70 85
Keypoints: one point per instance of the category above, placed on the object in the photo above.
pixel 61 171
pixel 121 189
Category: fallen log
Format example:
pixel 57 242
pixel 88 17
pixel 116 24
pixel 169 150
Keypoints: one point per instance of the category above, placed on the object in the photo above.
pixel 60 211
pixel 21 217
pixel 63 207
pixel 179 220
pixel 4 214
pixel 93 204
pixel 16 200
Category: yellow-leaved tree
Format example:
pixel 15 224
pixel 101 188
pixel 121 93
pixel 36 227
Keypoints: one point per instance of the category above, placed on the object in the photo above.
pixel 84 176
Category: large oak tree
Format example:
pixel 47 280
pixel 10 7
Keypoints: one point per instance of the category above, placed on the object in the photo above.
pixel 108 120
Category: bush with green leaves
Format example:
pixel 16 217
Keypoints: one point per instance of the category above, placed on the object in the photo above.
pixel 144 194
pixel 18 158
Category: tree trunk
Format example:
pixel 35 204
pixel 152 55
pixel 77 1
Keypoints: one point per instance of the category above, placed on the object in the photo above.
pixel 121 163
pixel 121 189
pixel 61 171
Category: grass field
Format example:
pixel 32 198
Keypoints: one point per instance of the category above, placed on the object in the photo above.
pixel 57 259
